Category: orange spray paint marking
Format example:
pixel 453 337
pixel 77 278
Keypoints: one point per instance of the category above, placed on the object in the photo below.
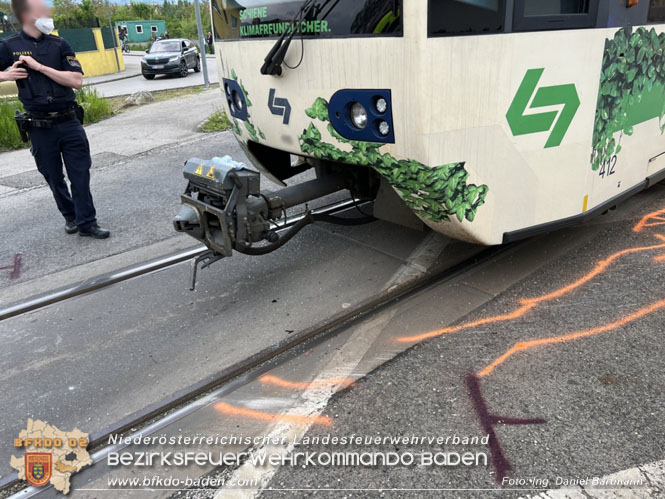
pixel 564 338
pixel 529 304
pixel 232 410
pixel 600 268
pixel 653 219
pixel 269 379
pixel 467 325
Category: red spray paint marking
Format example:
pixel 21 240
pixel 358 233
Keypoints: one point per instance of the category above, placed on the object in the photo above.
pixel 488 421
pixel 15 268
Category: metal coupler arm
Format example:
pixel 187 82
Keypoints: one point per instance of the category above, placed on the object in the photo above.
pixel 205 260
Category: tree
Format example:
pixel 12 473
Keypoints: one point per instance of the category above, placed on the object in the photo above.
pixel 68 14
pixel 141 10
pixel 179 15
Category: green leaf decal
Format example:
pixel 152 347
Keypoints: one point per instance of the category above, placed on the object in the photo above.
pixel 319 110
pixel 435 193
pixel 255 134
pixel 633 67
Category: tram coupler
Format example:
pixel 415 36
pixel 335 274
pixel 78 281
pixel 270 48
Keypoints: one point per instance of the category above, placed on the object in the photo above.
pixel 224 208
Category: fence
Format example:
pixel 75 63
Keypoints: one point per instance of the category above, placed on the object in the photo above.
pixel 81 40
pixel 76 23
pixel 94 49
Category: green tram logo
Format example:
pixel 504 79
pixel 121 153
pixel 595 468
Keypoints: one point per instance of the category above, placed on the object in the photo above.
pixel 523 124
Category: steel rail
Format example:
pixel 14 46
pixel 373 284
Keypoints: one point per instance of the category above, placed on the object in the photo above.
pixel 131 272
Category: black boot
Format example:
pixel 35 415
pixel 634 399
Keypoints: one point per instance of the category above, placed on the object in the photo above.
pixel 95 231
pixel 71 228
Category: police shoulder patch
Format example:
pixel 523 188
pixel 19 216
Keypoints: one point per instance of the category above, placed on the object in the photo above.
pixel 73 61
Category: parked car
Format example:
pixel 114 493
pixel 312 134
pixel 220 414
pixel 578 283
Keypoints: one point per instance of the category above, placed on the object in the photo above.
pixel 172 56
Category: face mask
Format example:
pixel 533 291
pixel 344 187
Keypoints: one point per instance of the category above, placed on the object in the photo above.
pixel 45 25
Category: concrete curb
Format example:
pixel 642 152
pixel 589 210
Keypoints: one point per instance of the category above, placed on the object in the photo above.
pixel 124 77
pixel 213 86
pixel 141 54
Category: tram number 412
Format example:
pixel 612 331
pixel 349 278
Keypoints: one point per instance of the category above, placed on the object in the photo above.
pixel 607 167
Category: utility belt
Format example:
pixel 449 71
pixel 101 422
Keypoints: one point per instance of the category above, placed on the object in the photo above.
pixel 29 120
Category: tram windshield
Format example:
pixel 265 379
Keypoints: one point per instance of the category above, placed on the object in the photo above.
pixel 240 19
pixel 465 17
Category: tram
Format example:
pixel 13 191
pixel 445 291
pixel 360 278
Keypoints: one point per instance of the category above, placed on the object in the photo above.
pixel 486 120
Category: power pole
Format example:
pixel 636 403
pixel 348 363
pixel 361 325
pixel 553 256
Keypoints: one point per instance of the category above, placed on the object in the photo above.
pixel 212 21
pixel 115 48
pixel 202 44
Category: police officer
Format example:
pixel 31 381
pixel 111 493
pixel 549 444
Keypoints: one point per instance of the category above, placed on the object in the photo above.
pixel 46 70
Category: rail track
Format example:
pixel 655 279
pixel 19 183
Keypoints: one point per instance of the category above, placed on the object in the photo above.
pixel 180 404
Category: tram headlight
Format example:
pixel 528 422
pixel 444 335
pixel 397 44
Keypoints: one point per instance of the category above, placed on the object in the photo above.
pixel 381 105
pixel 359 115
pixel 235 98
pixel 238 101
pixel 384 128
pixel 363 115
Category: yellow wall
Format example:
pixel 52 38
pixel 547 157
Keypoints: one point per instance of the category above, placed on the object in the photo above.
pixel 101 61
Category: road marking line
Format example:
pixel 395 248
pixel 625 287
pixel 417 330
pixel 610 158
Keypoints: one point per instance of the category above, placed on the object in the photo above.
pixel 341 367
pixel 646 481
pixel 420 260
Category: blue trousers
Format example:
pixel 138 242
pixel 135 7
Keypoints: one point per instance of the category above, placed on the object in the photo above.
pixel 66 142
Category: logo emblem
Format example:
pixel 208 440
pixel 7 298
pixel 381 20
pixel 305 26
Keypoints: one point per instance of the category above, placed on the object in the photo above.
pixel 38 468
pixel 73 61
pixel 279 107
pixel 522 124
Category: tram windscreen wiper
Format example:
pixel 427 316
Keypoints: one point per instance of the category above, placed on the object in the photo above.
pixel 273 62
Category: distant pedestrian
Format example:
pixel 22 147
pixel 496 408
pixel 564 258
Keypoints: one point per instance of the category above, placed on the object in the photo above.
pixel 122 36
pixel 209 41
pixel 125 46
pixel 46 70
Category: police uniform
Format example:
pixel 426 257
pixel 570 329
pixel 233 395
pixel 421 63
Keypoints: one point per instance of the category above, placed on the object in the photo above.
pixel 62 137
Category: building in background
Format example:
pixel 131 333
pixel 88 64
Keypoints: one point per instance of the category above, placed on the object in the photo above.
pixel 142 31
